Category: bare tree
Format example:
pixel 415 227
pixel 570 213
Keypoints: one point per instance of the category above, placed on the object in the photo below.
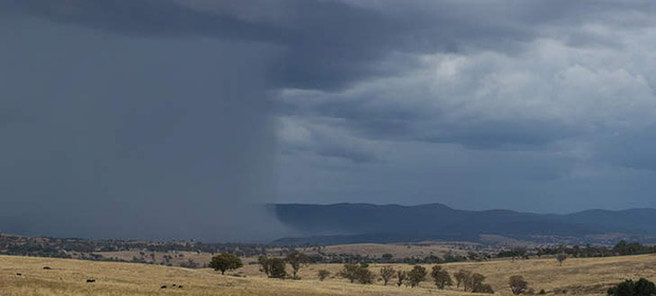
pixel 401 277
pixel 387 273
pixel 561 258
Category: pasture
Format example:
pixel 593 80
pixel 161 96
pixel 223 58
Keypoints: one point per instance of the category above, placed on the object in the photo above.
pixel 590 276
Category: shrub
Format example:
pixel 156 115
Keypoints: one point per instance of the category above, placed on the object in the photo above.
pixel 642 287
pixel 323 274
pixel 441 277
pixel 224 261
pixel 517 284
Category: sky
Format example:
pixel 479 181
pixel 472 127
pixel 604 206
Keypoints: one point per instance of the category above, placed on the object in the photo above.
pixel 177 119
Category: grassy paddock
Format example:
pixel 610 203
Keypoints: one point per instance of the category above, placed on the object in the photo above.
pixel 591 276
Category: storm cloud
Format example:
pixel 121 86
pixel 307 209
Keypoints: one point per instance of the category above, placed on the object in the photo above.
pixel 175 119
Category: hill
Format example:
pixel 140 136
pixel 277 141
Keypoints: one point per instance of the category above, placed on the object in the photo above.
pixel 353 223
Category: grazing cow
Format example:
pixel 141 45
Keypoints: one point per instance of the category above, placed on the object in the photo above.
pixel 180 287
pixel 19 274
pixel 163 287
pixel 47 267
pixel 91 280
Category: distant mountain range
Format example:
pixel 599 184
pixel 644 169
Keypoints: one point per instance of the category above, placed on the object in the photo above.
pixel 352 223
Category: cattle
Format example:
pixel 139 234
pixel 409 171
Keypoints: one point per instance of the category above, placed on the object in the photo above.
pixel 47 268
pixel 19 274
pixel 163 287
pixel 91 280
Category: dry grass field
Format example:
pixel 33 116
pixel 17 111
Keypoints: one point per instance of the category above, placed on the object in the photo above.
pixel 68 277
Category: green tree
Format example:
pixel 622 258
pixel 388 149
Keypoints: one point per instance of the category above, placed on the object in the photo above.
pixel 462 277
pixel 417 275
pixel 272 267
pixel 441 277
pixel 296 259
pixel 476 284
pixel 350 272
pixel 224 261
pixel 359 272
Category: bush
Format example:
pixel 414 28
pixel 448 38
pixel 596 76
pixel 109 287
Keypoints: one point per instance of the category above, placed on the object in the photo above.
pixel 224 261
pixel 323 274
pixel 517 284
pixel 642 287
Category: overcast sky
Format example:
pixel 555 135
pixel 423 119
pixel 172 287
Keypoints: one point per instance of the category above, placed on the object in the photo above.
pixel 171 118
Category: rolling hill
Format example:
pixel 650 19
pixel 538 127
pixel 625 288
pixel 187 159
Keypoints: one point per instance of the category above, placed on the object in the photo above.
pixel 351 223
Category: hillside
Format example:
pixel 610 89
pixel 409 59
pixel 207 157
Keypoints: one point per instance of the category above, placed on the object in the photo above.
pixel 352 223
pixel 591 276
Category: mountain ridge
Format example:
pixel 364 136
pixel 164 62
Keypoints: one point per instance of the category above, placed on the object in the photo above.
pixel 364 222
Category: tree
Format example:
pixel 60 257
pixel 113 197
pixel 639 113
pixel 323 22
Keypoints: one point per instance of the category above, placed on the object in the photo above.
pixel 642 287
pixel 350 272
pixel 517 284
pixel 441 277
pixel 417 275
pixel 387 273
pixel 323 274
pixel 560 258
pixel 401 277
pixel 272 267
pixel 224 261
pixel 296 259
pixel 461 278
pixel 476 284
pixel 359 272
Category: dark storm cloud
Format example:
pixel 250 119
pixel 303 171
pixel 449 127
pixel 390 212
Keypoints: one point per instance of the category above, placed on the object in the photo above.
pixel 330 44
pixel 136 111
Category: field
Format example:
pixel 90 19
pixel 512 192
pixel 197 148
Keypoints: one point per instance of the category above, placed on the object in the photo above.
pixel 68 277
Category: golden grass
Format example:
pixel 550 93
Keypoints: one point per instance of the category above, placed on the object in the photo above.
pixel 68 277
